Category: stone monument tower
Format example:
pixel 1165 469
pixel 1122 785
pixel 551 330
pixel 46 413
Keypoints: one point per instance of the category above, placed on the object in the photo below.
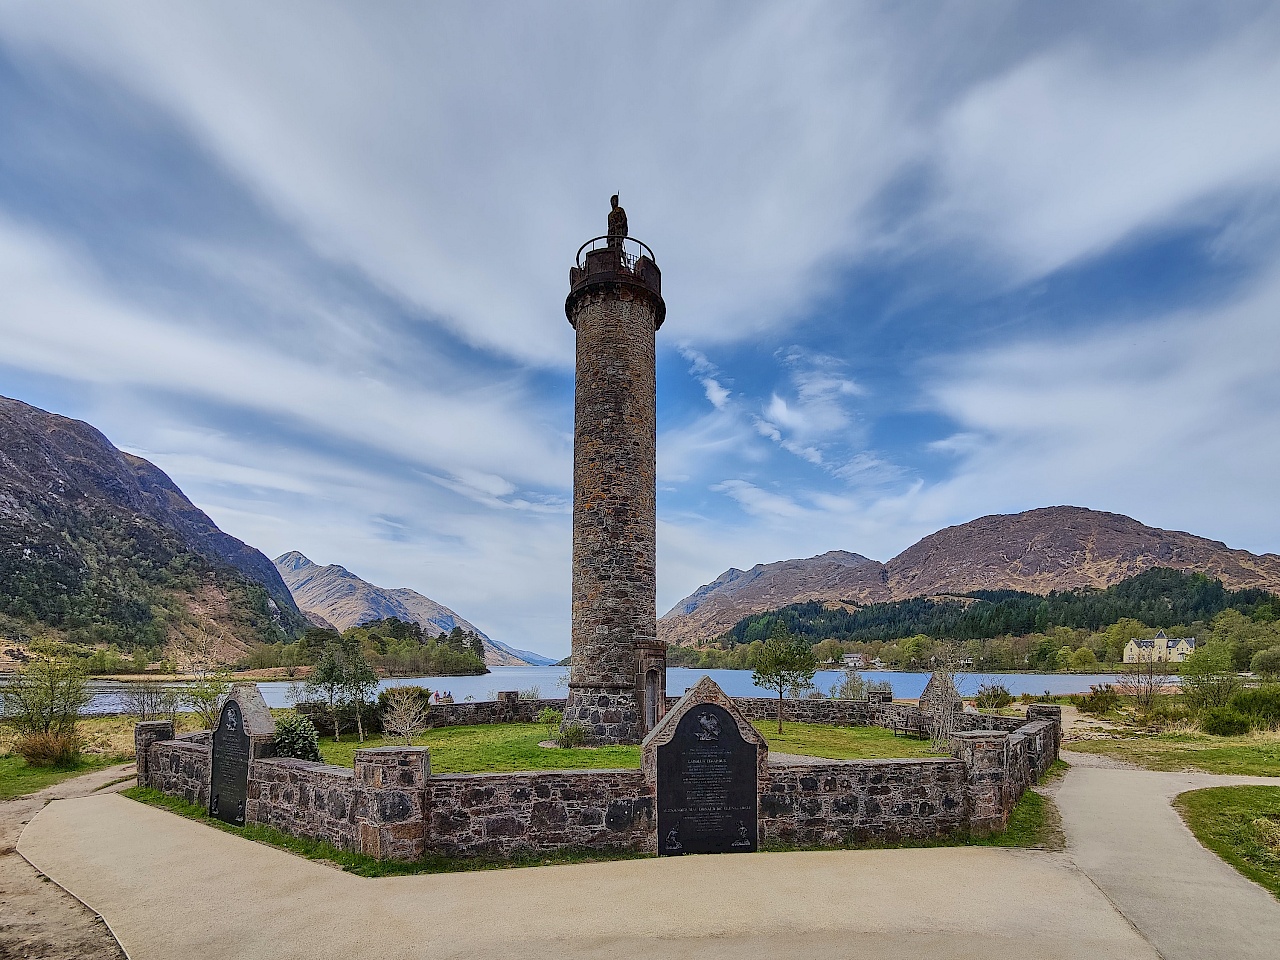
pixel 617 673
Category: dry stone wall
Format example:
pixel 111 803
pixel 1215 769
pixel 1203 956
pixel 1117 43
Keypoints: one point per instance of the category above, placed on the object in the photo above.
pixel 390 805
pixel 839 802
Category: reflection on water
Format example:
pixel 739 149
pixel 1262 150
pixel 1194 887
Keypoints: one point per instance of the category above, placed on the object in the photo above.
pixel 550 682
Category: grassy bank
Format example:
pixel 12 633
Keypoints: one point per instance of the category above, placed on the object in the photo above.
pixel 1254 755
pixel 507 747
pixel 17 778
pixel 1241 825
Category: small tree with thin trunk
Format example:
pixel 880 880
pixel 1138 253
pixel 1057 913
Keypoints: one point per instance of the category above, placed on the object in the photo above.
pixel 327 682
pixel 785 663
pixel 405 715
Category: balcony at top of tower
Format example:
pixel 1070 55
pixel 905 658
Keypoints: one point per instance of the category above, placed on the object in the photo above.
pixel 616 258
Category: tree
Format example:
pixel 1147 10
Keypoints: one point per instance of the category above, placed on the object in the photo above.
pixel 477 646
pixel 206 696
pixel 1266 663
pixel 1208 677
pixel 360 682
pixel 150 699
pixel 405 714
pixel 1084 659
pixel 1142 683
pixel 327 681
pixel 785 663
pixel 44 697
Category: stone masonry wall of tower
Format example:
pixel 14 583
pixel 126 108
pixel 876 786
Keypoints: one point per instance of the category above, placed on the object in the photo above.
pixel 615 306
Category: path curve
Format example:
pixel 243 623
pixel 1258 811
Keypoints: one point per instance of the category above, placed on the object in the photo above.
pixel 173 888
pixel 38 918
pixel 1123 832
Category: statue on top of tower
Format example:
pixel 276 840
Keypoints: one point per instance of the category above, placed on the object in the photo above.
pixel 617 223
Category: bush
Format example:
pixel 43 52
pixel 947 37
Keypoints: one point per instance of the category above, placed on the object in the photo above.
pixel 1165 713
pixel 1102 698
pixel 1266 663
pixel 851 686
pixel 422 693
pixel 993 696
pixel 574 735
pixel 49 749
pixel 550 719
pixel 1224 722
pixel 45 696
pixel 297 737
pixel 1260 703
pixel 322 716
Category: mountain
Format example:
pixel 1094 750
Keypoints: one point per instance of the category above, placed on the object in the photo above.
pixel 1051 548
pixel 97 545
pixel 344 600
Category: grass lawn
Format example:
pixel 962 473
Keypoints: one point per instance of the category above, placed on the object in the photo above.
pixel 841 743
pixel 506 747
pixel 17 779
pixel 1255 754
pixel 1241 825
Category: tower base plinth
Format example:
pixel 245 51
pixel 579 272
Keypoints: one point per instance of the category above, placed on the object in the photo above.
pixel 610 715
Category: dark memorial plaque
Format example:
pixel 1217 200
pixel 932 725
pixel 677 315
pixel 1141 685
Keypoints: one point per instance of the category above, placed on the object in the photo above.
pixel 229 780
pixel 706 786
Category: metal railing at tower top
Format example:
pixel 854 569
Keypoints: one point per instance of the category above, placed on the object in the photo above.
pixel 630 250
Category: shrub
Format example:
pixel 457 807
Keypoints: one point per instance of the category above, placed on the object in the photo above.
pixel 206 696
pixel 322 716
pixel 297 737
pixel 45 696
pixel 1224 722
pixel 1101 698
pixel 993 696
pixel 574 735
pixel 1260 703
pixel 1266 663
pixel 851 686
pixel 49 748
pixel 551 720
pixel 422 693
pixel 405 716
pixel 1166 713
pixel 530 693
pixel 1208 677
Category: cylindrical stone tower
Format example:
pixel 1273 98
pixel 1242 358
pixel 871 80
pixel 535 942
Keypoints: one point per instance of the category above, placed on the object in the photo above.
pixel 615 305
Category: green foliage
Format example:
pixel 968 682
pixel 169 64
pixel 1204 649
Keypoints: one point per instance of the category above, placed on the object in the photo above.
pixel 550 719
pixel 1161 598
pixel 1224 722
pixel 43 697
pixel 402 648
pixel 1266 663
pixel 1208 677
pixel 1101 699
pixel 574 735
pixel 343 677
pixel 851 686
pixel 1262 704
pixel 785 663
pixel 297 737
pixel 993 696
pixel 1241 825
pixel 206 696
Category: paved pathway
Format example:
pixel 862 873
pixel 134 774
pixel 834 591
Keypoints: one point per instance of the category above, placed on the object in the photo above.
pixel 174 888
pixel 1123 832
pixel 1133 884
pixel 38 918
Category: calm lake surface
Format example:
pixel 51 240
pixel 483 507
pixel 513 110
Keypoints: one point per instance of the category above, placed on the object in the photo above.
pixel 550 682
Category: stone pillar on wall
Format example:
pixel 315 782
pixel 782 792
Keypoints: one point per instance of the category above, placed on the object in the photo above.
pixel 393 821
pixel 985 757
pixel 615 306
pixel 144 735
pixel 1048 711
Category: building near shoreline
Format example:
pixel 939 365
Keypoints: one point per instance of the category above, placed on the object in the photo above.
pixel 1159 649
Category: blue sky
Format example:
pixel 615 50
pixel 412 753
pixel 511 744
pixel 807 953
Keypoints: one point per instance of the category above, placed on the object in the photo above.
pixel 922 263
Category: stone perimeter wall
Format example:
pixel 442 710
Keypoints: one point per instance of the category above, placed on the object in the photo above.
pixel 390 806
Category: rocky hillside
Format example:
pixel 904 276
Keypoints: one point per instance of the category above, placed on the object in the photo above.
pixel 1053 548
pixel 99 546
pixel 337 596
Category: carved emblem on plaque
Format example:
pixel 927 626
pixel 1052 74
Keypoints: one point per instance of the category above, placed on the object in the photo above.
pixel 708 727
pixel 672 843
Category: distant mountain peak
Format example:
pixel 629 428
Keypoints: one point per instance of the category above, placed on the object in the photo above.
pixel 339 597
pixel 1037 551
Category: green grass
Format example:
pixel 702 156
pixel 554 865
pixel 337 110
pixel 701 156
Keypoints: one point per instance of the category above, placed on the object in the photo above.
pixel 365 866
pixel 1241 825
pixel 17 778
pixel 841 743
pixel 1255 755
pixel 490 748
pixel 507 747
